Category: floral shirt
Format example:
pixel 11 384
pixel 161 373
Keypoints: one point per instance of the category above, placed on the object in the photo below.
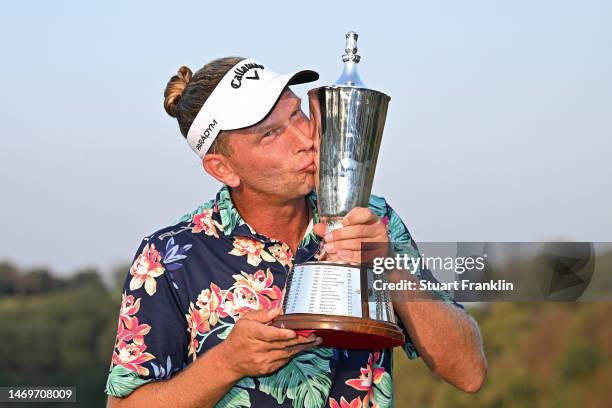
pixel 190 282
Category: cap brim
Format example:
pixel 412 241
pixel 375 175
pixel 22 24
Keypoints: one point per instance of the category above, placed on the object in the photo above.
pixel 303 77
pixel 257 104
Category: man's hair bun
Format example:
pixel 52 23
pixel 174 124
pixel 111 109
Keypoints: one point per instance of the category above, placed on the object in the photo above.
pixel 174 89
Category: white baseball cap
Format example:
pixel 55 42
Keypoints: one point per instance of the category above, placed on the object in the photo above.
pixel 245 96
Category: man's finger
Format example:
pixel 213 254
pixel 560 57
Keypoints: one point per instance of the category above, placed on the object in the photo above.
pixel 355 231
pixel 290 352
pixel 298 348
pixel 350 244
pixel 271 333
pixel 359 215
pixel 283 344
pixel 262 315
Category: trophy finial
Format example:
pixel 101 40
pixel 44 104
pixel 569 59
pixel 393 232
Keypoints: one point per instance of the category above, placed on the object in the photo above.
pixel 351 47
pixel 350 76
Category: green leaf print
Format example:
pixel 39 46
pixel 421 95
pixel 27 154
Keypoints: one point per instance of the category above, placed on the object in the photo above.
pixel 307 238
pixel 230 218
pixel 246 382
pixel 304 380
pixel 311 236
pixel 238 396
pixel 189 216
pixel 378 205
pixel 223 335
pixel 397 230
pixel 383 391
pixel 122 381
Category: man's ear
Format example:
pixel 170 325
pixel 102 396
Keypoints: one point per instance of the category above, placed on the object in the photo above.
pixel 218 166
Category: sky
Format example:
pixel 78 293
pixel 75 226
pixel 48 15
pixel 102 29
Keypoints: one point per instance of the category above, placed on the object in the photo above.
pixel 499 126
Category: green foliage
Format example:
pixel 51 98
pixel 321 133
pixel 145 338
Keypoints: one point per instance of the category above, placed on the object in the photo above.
pixel 57 331
pixel 238 396
pixel 40 280
pixel 291 381
pixel 539 355
pixel 235 398
pixel 581 360
pixel 121 381
pixel 383 391
pixel 8 277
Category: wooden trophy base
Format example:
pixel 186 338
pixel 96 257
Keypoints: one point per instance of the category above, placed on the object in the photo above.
pixel 343 331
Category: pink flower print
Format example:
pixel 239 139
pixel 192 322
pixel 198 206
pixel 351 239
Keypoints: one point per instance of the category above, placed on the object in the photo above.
pixel 131 356
pixel 133 331
pixel 193 348
pixel 356 403
pixel 240 299
pixel 253 249
pixel 145 269
pixel 385 220
pixel 371 374
pixel 128 327
pixel 129 306
pixel 261 283
pixel 209 302
pixel 282 253
pixel 203 222
pixel 196 322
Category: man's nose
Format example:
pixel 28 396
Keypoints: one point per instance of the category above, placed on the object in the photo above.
pixel 302 136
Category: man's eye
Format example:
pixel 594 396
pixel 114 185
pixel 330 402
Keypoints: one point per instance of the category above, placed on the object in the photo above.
pixel 296 113
pixel 269 133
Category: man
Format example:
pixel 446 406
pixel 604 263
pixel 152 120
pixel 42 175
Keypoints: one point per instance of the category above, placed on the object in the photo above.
pixel 194 322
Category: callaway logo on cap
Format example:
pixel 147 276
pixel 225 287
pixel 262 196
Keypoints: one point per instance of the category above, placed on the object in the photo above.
pixel 245 96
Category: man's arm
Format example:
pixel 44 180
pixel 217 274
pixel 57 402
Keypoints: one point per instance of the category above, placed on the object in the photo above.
pixel 446 337
pixel 253 348
pixel 203 383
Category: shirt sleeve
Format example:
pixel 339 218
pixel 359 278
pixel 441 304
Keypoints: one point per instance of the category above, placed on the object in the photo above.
pixel 399 234
pixel 152 337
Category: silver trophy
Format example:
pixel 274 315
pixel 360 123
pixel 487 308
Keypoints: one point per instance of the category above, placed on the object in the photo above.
pixel 336 300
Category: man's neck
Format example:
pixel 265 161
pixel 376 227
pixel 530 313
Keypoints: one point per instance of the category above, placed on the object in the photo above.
pixel 283 221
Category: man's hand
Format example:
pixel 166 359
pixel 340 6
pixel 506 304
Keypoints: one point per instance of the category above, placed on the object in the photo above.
pixel 254 348
pixel 344 244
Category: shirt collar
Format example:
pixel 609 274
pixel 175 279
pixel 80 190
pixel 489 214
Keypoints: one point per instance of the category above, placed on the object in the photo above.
pixel 233 224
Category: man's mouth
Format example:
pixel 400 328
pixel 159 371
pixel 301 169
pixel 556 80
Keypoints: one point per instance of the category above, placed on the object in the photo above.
pixel 310 167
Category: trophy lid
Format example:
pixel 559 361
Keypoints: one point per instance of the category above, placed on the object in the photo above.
pixel 350 76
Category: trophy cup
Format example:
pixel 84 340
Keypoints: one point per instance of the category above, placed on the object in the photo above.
pixel 335 300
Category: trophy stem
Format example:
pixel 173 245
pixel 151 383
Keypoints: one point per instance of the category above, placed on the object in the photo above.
pixel 333 224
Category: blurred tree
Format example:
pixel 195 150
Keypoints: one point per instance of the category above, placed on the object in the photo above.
pixel 85 278
pixel 38 280
pixel 8 278
pixel 59 337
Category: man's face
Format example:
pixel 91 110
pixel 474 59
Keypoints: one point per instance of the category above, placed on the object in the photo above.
pixel 275 157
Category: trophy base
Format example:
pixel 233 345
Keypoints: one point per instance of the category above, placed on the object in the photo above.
pixel 343 331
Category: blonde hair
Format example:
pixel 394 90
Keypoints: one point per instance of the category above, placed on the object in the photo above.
pixel 186 93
